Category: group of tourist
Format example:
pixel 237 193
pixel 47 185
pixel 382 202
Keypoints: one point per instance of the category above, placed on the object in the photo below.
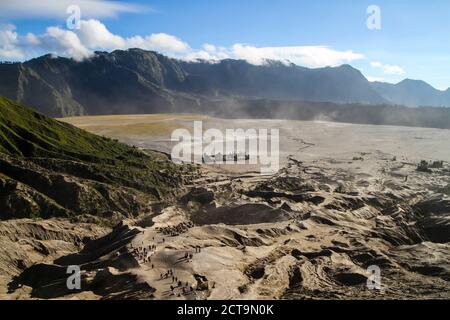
pixel 143 253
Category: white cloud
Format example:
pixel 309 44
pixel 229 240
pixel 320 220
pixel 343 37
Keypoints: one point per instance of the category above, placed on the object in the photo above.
pixel 94 35
pixel 57 8
pixel 387 68
pixel 209 53
pixel 201 55
pixel 163 42
pixel 9 49
pixel 60 42
pixel 67 43
pixel 209 47
pixel 311 56
pixel 32 39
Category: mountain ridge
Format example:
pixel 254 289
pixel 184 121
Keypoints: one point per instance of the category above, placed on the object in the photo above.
pixel 139 81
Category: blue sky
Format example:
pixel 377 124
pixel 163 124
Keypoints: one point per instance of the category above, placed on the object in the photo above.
pixel 413 41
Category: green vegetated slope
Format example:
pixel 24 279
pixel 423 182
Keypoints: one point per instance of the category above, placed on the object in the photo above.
pixel 49 168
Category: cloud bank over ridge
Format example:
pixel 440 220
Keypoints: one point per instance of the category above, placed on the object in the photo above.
pixel 93 35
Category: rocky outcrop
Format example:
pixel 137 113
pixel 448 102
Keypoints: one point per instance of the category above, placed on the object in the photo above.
pixel 27 242
pixel 103 265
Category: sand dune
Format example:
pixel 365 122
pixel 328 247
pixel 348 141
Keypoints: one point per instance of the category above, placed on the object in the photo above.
pixel 352 199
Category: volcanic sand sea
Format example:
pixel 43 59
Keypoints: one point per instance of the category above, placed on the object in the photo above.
pixel 347 197
pixel 305 140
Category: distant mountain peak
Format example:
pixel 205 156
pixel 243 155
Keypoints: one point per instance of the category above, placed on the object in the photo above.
pixel 415 82
pixel 413 93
